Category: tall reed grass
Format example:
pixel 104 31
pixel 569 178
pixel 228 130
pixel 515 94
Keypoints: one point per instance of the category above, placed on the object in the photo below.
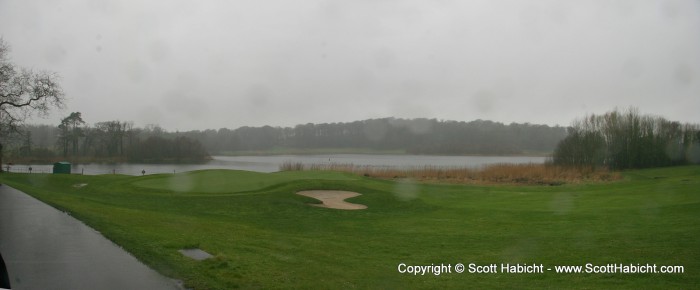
pixel 533 174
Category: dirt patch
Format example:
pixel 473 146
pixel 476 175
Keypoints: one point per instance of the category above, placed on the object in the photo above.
pixel 333 198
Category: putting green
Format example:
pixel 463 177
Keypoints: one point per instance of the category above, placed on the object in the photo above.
pixel 230 181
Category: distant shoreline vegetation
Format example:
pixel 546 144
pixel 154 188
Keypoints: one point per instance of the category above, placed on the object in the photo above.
pixel 104 160
pixel 364 151
pixel 112 141
pixel 627 139
pixel 615 140
pixel 310 151
pixel 386 136
pixel 122 142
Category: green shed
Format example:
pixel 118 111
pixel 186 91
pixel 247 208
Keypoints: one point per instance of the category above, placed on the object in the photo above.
pixel 61 167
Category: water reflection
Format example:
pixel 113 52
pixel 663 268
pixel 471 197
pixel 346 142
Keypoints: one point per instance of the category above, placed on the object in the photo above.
pixel 272 163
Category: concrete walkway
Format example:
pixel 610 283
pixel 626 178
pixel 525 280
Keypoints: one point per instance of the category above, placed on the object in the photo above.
pixel 44 248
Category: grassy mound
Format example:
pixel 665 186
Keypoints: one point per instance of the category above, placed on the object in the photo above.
pixel 270 238
pixel 230 181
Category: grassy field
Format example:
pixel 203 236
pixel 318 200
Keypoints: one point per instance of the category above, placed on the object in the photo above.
pixel 264 236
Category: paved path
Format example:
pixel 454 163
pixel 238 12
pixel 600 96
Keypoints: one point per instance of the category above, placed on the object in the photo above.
pixel 44 248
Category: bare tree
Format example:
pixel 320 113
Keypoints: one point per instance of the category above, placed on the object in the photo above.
pixel 23 93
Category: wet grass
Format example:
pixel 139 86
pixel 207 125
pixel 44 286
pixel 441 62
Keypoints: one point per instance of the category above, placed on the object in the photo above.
pixel 262 235
pixel 229 181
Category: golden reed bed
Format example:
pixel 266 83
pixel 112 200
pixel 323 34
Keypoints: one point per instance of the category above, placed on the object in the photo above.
pixel 533 174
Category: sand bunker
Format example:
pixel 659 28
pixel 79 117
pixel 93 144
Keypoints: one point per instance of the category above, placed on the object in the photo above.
pixel 333 198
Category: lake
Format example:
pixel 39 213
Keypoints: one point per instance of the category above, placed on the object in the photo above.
pixel 272 163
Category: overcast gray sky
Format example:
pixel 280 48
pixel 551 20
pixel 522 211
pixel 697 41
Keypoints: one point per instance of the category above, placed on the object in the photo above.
pixel 212 64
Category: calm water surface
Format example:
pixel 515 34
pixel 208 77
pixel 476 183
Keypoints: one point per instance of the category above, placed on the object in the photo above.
pixel 272 163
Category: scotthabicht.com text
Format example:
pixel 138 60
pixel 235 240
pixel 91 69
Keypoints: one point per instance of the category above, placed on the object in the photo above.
pixel 534 268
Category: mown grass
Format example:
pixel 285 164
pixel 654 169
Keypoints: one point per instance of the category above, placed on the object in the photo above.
pixel 264 236
pixel 223 181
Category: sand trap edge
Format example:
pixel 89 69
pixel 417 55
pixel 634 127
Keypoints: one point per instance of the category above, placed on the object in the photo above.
pixel 334 199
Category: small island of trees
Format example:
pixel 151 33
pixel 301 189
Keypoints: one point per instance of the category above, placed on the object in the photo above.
pixel 626 139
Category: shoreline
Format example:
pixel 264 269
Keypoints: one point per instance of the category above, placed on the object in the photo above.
pixel 366 152
pixel 81 160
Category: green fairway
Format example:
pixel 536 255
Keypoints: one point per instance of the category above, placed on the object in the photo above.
pixel 263 235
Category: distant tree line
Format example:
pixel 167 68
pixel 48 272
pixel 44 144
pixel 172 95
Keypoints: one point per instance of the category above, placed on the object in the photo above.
pixel 621 140
pixel 417 136
pixel 110 140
